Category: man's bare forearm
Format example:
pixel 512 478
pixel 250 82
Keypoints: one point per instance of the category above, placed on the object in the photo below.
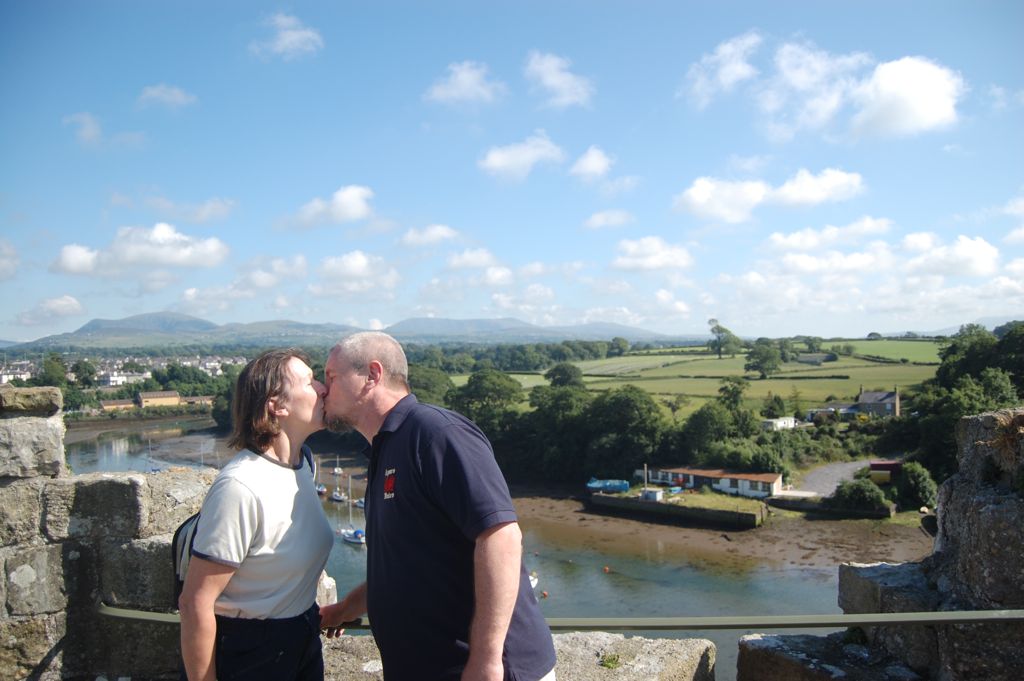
pixel 496 566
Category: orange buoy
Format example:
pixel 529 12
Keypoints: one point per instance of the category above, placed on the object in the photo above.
pixel 543 594
pixel 607 569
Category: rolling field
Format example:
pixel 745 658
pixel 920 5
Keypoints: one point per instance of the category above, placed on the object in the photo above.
pixel 698 376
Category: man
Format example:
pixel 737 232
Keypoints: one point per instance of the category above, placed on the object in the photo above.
pixel 446 591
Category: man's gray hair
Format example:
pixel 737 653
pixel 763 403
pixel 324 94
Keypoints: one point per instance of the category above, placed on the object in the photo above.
pixel 361 348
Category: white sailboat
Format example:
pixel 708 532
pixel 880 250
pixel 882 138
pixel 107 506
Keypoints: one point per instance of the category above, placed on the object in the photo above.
pixel 351 534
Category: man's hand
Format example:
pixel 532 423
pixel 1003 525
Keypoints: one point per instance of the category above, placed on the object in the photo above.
pixel 349 609
pixel 481 671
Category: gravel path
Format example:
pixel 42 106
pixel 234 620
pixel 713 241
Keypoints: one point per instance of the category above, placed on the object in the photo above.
pixel 824 479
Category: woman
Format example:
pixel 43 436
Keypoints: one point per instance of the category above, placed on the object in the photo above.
pixel 248 608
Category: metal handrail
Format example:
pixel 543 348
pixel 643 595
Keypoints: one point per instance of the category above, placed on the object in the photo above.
pixel 690 623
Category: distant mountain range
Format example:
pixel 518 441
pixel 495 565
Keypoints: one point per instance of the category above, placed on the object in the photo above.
pixel 169 329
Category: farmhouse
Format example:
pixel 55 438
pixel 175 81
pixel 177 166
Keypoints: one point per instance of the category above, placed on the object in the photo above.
pixel 877 403
pixel 730 482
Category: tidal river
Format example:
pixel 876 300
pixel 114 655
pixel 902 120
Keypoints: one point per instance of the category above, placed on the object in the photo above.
pixel 587 566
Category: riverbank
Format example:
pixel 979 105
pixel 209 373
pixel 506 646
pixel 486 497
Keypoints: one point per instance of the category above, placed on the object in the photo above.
pixel 786 540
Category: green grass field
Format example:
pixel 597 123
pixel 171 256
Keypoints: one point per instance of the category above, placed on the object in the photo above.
pixel 910 350
pixel 698 376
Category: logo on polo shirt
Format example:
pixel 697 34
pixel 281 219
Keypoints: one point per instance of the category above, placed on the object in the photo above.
pixel 389 483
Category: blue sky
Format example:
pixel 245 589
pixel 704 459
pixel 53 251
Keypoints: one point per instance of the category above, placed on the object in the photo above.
pixel 828 168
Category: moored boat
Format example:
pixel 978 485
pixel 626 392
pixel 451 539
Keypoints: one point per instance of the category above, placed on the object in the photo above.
pixel 596 485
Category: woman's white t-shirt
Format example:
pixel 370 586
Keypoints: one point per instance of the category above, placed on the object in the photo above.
pixel 266 519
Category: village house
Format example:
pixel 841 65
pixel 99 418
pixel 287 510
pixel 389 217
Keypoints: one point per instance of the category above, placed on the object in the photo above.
pixel 117 405
pixel 875 403
pixel 756 485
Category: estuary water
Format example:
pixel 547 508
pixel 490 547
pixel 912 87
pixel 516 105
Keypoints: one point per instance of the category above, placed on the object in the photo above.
pixel 583 575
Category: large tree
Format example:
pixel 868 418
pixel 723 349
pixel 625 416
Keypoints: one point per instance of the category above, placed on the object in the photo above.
pixel 85 373
pixel 429 383
pixel 723 341
pixel 485 398
pixel 764 358
pixel 565 374
pixel 625 427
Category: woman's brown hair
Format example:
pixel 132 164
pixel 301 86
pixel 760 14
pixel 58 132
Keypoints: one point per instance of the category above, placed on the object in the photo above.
pixel 253 427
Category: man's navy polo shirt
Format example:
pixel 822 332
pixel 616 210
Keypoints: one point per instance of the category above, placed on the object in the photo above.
pixel 433 486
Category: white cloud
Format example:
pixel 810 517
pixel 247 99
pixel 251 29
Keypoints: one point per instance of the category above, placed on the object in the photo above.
pixel 8 260
pixel 1016 267
pixel 651 253
pixel 971 257
pixel 715 199
pixel 609 218
pixel 88 131
pixel 291 39
pixel 498 276
pixel 472 258
pixel 1015 207
pixel 805 189
pixel 166 95
pixel 813 239
pixel 908 96
pixel 431 234
pixel 722 70
pixel 51 309
pixel 667 300
pixel 1015 237
pixel 516 161
pixel 733 202
pixel 617 315
pixel 212 209
pixel 466 82
pixel 348 204
pixel 551 73
pixel 592 165
pixel 356 272
pixel 834 262
pixel 919 242
pixel 76 259
pixel 264 274
pixel 161 246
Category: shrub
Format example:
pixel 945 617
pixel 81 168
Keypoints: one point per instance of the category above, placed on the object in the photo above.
pixel 859 495
pixel 916 486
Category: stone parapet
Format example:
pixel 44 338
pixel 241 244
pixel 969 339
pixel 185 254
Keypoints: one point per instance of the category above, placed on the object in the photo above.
pixel 580 656
pixel 814 658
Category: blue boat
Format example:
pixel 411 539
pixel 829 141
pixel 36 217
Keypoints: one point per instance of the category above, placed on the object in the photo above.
pixel 596 485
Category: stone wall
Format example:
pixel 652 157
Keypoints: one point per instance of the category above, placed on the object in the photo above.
pixel 68 543
pixel 976 565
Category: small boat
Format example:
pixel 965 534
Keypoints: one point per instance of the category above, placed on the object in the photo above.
pixel 353 535
pixel 359 503
pixel 338 495
pixel 596 485
pixel 534 580
pixel 321 489
pixel 337 471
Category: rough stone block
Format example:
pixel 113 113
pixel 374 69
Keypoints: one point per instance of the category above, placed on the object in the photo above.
pixel 32 446
pixel 45 401
pixel 632 658
pixel 35 580
pixel 814 658
pixel 136 574
pixel 121 649
pixel 30 648
pixel 20 511
pixel 174 495
pixel 993 652
pixel 579 658
pixel 95 505
pixel 986 569
pixel 990 449
pixel 892 587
